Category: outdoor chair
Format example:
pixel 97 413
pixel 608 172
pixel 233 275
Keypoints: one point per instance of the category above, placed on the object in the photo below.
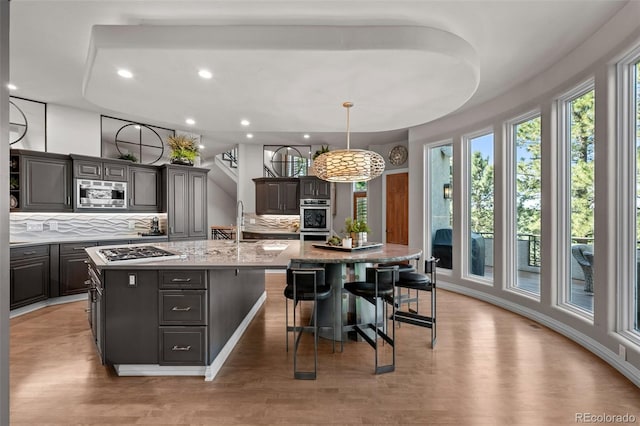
pixel 583 254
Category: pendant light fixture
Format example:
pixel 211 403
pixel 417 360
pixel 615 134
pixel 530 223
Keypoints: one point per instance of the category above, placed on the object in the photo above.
pixel 348 165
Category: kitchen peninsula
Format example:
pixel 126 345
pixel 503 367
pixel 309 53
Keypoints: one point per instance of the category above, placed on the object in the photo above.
pixel 184 314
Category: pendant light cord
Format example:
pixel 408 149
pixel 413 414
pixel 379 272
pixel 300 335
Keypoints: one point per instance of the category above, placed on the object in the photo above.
pixel 347 105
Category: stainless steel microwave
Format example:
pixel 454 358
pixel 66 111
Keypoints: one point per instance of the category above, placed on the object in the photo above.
pixel 100 194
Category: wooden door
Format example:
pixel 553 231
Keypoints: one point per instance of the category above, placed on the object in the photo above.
pixel 398 208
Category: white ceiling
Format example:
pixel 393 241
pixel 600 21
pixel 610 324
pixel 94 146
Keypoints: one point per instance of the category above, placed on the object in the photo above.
pixel 287 66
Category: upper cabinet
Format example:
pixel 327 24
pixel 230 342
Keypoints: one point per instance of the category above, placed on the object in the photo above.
pixel 145 189
pixel 277 196
pixel 185 201
pixel 313 187
pixel 40 181
pixel 98 169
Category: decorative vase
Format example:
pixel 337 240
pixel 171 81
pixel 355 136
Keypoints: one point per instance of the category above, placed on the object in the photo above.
pixel 359 238
pixel 183 161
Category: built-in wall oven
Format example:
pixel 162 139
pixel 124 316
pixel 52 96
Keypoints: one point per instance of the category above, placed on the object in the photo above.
pixel 315 217
pixel 99 194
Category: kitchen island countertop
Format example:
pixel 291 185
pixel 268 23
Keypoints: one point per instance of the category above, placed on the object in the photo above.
pixel 263 254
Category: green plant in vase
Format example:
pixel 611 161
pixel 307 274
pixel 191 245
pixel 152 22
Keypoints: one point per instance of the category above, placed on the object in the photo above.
pixel 183 149
pixel 358 230
pixel 129 157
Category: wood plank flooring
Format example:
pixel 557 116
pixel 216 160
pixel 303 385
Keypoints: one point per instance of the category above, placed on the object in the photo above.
pixel 489 367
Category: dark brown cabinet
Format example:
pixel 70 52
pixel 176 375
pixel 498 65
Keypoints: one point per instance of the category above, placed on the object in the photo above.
pixel 186 202
pixel 42 182
pixel 130 318
pixel 313 187
pixel 29 275
pixel 96 169
pixel 145 189
pixel 73 268
pixel 277 196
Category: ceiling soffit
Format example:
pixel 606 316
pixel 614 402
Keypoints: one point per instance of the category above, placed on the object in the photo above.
pixel 285 78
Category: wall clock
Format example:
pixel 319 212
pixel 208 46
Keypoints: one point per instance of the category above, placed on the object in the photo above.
pixel 398 155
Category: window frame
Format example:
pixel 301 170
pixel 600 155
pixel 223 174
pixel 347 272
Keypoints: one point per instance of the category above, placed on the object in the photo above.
pixel 466 205
pixel 626 196
pixel 563 236
pixel 510 257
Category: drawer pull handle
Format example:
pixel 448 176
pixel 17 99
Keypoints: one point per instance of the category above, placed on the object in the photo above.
pixel 30 252
pixel 80 248
pixel 180 280
pixel 187 309
pixel 181 348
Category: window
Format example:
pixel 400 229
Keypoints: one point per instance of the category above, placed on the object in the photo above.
pixel 481 194
pixel 527 195
pixel 441 203
pixel 579 144
pixel 636 123
pixel 360 201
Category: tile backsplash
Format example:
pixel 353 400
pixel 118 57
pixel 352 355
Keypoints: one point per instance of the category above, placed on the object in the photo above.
pixel 270 223
pixel 25 227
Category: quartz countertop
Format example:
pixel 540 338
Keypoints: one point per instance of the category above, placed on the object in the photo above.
pixel 261 254
pixel 133 237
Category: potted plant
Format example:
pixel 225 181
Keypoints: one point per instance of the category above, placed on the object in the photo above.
pixel 128 156
pixel 358 230
pixel 183 149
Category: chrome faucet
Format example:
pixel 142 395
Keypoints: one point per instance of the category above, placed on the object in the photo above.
pixel 239 220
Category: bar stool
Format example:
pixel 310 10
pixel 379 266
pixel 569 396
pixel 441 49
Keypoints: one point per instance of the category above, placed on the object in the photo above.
pixel 379 286
pixel 305 284
pixel 402 298
pixel 420 282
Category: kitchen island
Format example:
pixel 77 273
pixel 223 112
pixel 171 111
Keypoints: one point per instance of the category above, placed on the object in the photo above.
pixel 183 315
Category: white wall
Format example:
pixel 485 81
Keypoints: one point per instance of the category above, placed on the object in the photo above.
pixel 221 209
pixel 71 130
pixel 250 164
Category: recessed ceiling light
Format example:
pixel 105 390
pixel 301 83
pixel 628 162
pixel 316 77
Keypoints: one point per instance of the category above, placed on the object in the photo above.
pixel 11 86
pixel 249 135
pixel 190 121
pixel 125 73
pixel 245 122
pixel 306 136
pixel 205 74
pixel 201 146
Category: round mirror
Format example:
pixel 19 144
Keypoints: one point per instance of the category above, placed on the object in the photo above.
pixel 287 161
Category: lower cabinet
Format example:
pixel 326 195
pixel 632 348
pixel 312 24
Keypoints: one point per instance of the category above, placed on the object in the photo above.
pixel 73 268
pixel 29 276
pixel 130 317
pixel 170 317
pixel 182 307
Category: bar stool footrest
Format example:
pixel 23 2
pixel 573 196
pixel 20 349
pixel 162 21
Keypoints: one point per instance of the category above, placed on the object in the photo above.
pixel 414 319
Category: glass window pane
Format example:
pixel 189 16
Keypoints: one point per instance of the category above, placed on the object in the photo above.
pixel 528 204
pixel 441 178
pixel 636 92
pixel 481 206
pixel 581 112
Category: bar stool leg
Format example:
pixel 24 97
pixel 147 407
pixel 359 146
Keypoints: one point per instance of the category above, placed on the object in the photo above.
pixel 305 375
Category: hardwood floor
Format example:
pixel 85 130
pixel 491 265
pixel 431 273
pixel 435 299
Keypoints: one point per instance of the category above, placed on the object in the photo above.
pixel 489 367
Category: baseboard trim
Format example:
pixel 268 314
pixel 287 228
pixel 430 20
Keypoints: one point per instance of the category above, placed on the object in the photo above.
pixel 209 371
pixel 629 371
pixel 46 303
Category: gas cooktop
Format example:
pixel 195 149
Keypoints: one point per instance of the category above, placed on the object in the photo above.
pixel 135 254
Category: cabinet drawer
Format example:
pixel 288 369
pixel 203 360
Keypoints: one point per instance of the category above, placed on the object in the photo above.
pixel 26 252
pixel 183 345
pixel 78 248
pixel 182 279
pixel 183 307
